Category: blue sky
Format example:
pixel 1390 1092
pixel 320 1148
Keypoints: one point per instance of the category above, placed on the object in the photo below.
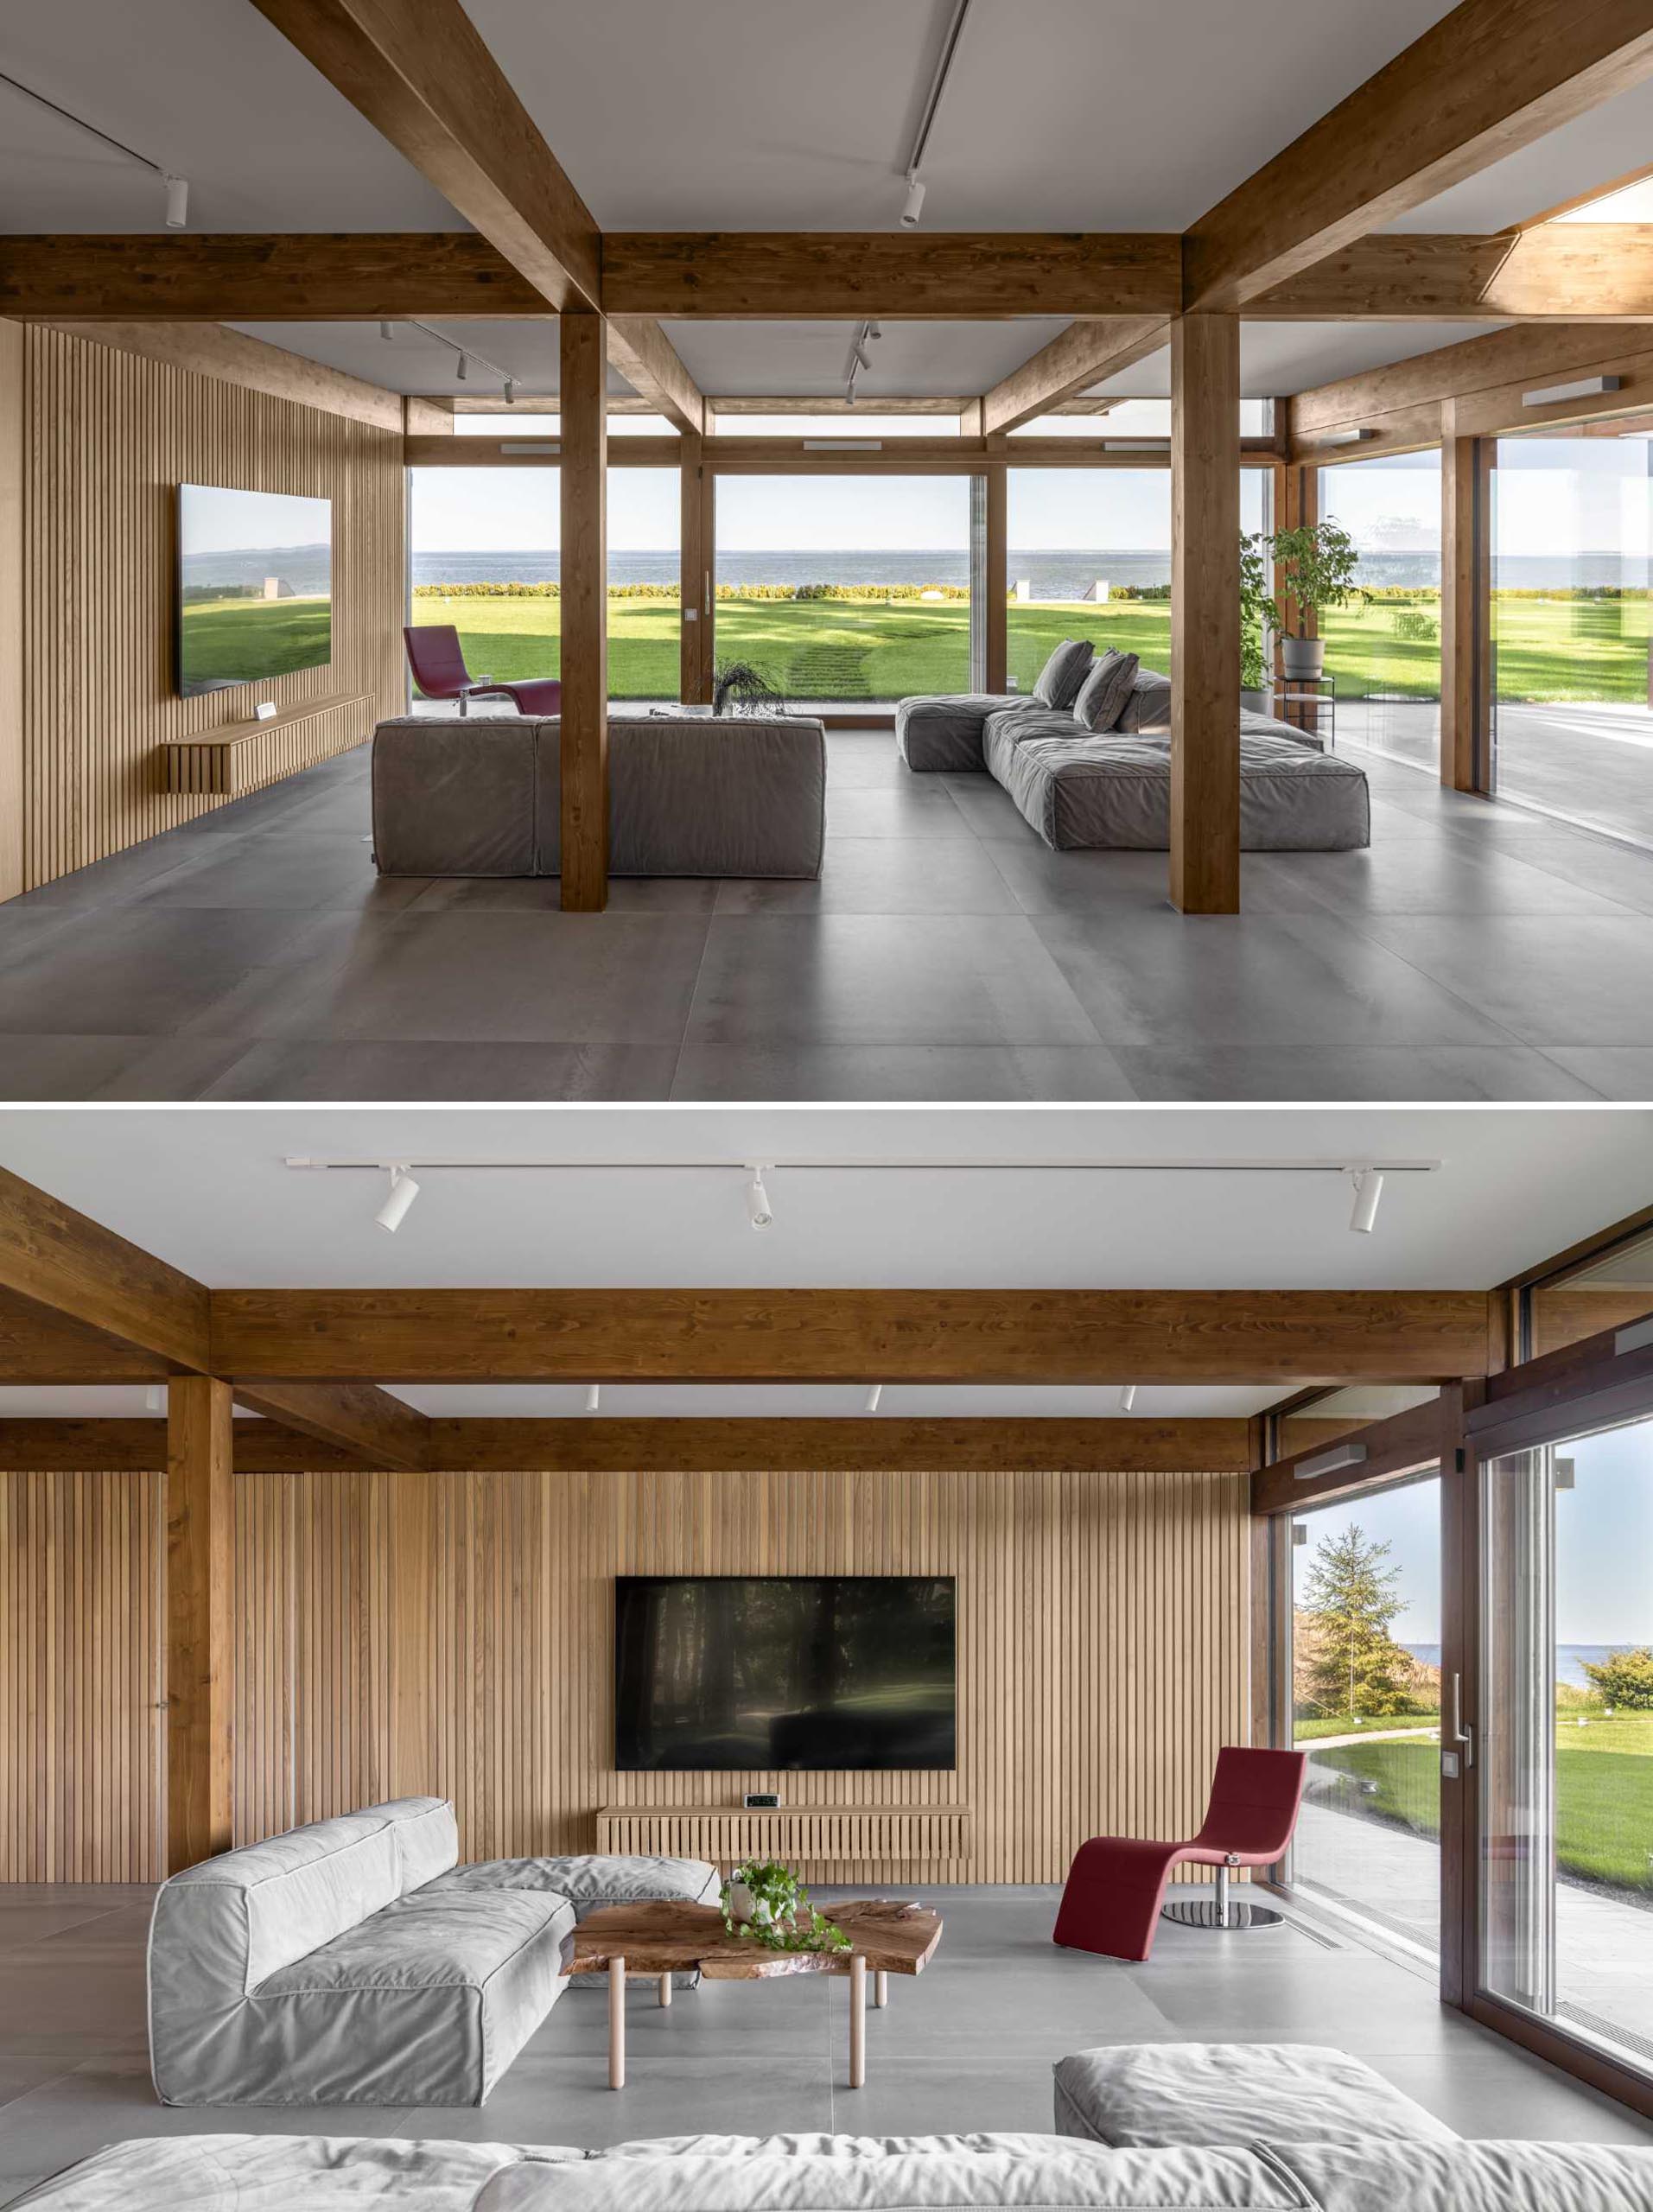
pixel 1553 496
pixel 1604 1535
pixel 219 521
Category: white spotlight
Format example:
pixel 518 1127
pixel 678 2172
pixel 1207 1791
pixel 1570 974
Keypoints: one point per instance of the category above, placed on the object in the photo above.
pixel 914 207
pixel 1368 1188
pixel 464 368
pixel 875 1391
pixel 511 391
pixel 594 1396
pixel 1127 1397
pixel 154 1398
pixel 387 331
pixel 403 1191
pixel 873 330
pixel 177 201
pixel 759 1212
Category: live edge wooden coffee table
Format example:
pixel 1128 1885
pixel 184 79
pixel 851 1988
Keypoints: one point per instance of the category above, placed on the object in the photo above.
pixel 657 1941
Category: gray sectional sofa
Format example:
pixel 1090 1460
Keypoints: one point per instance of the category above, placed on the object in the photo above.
pixel 355 1961
pixel 688 796
pixel 1173 2127
pixel 1081 789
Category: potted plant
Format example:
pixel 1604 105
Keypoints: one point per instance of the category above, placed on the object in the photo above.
pixel 766 1901
pixel 745 684
pixel 1314 568
pixel 1259 618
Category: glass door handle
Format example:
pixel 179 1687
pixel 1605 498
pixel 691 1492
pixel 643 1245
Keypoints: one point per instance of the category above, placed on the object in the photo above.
pixel 1459 1733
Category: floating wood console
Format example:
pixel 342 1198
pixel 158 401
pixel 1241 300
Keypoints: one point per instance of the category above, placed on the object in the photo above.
pixel 246 756
pixel 825 1842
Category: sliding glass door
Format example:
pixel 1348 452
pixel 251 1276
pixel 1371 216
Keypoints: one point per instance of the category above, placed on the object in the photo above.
pixel 1572 542
pixel 1366 1708
pixel 1567 1764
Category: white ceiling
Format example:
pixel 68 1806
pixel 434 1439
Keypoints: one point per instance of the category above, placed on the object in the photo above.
pixel 413 362
pixel 208 1191
pixel 1583 155
pixel 910 359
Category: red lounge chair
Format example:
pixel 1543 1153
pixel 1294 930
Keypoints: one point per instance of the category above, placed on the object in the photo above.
pixel 1115 1887
pixel 439 671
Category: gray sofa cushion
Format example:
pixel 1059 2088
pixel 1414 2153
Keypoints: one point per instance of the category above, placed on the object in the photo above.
pixel 453 796
pixel 1149 707
pixel 1106 688
pixel 741 796
pixel 590 1881
pixel 1133 2094
pixel 284 2173
pixel 1111 790
pixel 944 734
pixel 1471 2177
pixel 1057 682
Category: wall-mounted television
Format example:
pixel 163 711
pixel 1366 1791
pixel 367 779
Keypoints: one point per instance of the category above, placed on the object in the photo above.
pixel 255 586
pixel 729 1672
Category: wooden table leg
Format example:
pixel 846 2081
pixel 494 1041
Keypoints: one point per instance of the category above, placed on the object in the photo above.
pixel 666 1991
pixel 617 2024
pixel 857 2022
pixel 880 1989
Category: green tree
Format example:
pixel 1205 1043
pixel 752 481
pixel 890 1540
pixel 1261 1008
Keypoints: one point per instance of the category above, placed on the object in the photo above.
pixel 1356 1666
pixel 1624 1678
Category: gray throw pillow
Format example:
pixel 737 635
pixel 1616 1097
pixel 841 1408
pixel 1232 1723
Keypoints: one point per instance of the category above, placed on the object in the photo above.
pixel 1105 690
pixel 1063 673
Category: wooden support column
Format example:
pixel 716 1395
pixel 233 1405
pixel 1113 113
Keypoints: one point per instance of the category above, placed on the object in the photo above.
pixel 585 615
pixel 199 1675
pixel 1464 608
pixel 11 609
pixel 1206 614
pixel 996 632
pixel 696 649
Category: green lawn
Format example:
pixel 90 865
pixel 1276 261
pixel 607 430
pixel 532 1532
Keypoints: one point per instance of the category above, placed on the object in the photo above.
pixel 247 639
pixel 849 650
pixel 1309 1731
pixel 1603 1792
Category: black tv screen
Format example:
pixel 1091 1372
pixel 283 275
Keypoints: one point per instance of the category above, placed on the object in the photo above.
pixel 756 1672
pixel 255 586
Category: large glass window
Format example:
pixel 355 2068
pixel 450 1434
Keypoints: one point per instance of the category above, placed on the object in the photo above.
pixel 1382 652
pixel 1567 1762
pixel 484 548
pixel 839 589
pixel 1090 556
pixel 1572 535
pixel 1366 1708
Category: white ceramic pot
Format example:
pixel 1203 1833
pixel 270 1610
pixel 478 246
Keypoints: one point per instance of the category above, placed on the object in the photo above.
pixel 1302 657
pixel 742 1906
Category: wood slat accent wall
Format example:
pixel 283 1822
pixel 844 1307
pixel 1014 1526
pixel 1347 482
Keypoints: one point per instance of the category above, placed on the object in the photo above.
pixel 81 1557
pixel 110 433
pixel 404 1633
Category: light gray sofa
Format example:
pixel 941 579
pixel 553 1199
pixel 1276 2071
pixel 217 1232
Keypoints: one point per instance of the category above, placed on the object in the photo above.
pixel 1172 2128
pixel 354 1962
pixel 688 796
pixel 1084 791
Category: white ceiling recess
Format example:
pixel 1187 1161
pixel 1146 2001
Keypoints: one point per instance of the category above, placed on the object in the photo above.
pixel 1279 358
pixel 209 90
pixel 1059 114
pixel 911 360
pixel 1596 149
pixel 412 361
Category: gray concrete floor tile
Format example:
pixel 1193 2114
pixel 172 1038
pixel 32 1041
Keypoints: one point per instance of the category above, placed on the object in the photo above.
pixel 1290 981
pixel 1029 1074
pixel 1563 979
pixel 1623 1072
pixel 855 979
pixel 434 1072
pixel 881 875
pixel 1505 2094
pixel 1499 1073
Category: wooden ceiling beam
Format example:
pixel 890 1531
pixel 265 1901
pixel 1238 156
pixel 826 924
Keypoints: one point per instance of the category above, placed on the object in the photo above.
pixel 1398 1445
pixel 39 1347
pixel 1557 272
pixel 420 72
pixel 915 277
pixel 38 1446
pixel 300 276
pixel 74 1269
pixel 650 362
pixel 357 1418
pixel 849 1336
pixel 1488 78
pixel 1076 358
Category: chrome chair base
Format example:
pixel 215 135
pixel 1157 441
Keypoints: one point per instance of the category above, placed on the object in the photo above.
pixel 1208 1914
